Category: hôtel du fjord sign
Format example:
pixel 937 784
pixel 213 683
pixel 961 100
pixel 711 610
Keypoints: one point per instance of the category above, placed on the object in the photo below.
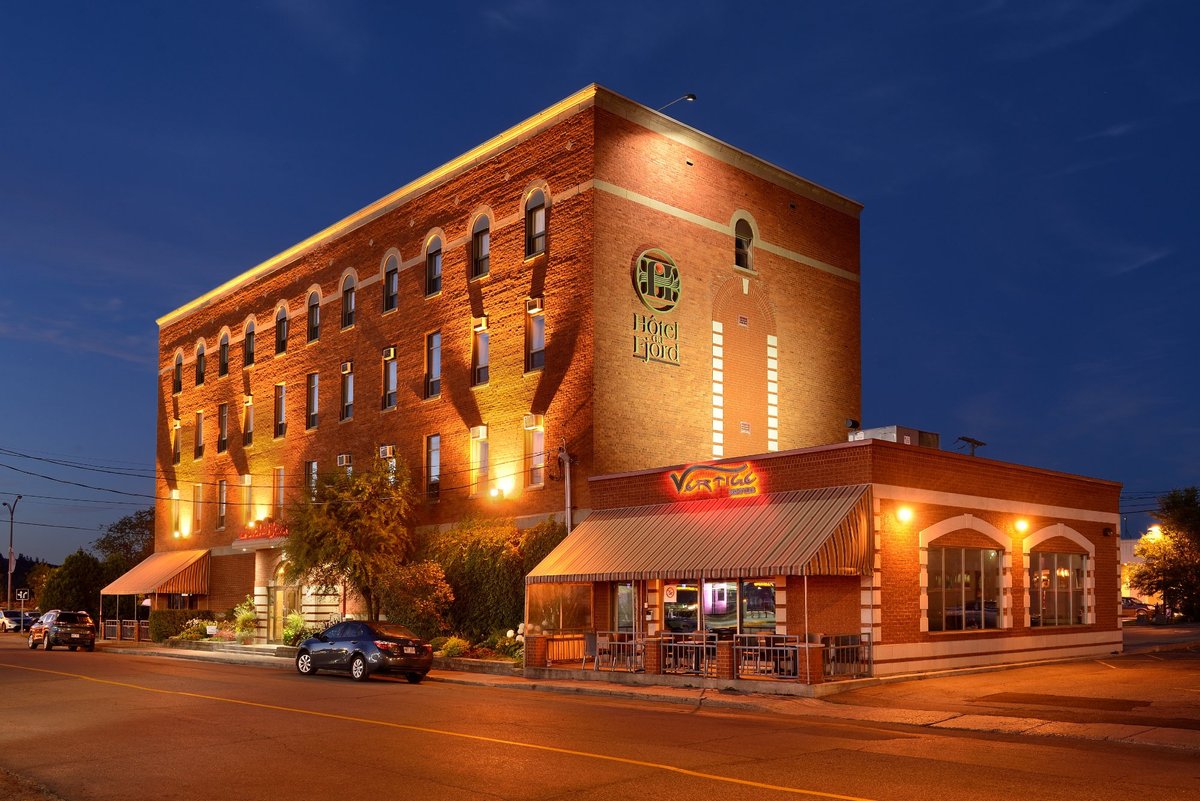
pixel 656 282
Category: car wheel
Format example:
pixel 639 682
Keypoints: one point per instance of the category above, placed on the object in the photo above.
pixel 358 668
pixel 414 678
pixel 72 647
pixel 90 648
pixel 32 644
pixel 304 665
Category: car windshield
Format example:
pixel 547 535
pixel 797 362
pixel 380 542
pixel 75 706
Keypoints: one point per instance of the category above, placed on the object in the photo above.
pixel 393 630
pixel 12 614
pixel 73 617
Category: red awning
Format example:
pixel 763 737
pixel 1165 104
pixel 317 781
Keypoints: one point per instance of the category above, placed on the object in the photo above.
pixel 165 572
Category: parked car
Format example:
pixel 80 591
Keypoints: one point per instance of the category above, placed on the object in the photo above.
pixel 363 648
pixel 1132 607
pixel 56 627
pixel 11 620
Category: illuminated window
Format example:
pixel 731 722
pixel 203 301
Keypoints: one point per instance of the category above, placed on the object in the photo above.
pixel 535 457
pixel 248 422
pixel 1057 583
pixel 223 356
pixel 280 411
pixel 391 284
pixel 277 493
pixel 964 588
pixel 347 391
pixel 200 365
pixel 222 428
pixel 197 506
pixel 310 478
pixel 389 378
pixel 248 346
pixel 175 517
pixel 348 302
pixel 743 240
pixel 175 448
pixel 177 376
pixel 199 450
pixel 281 330
pixel 479 460
pixel 346 462
pixel 479 358
pixel 535 224
pixel 481 248
pixel 433 267
pixel 433 465
pixel 247 498
pixel 222 497
pixel 535 341
pixel 311 397
pixel 314 317
pixel 433 364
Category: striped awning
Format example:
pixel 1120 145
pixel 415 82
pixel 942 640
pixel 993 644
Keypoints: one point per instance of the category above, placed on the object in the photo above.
pixel 819 532
pixel 165 572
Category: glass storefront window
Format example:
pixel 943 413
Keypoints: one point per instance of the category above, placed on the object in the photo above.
pixel 720 607
pixel 624 600
pixel 1057 589
pixel 558 607
pixel 680 607
pixel 964 589
pixel 758 607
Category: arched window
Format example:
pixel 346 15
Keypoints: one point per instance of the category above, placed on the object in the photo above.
pixel 535 224
pixel 348 302
pixel 177 377
pixel 281 330
pixel 200 364
pixel 391 283
pixel 481 247
pixel 433 267
pixel 223 356
pixel 314 317
pixel 743 236
pixel 248 345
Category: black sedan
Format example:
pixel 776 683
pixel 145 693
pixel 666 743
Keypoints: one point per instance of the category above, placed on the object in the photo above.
pixel 363 648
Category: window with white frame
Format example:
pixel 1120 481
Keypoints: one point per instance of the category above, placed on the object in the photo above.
pixel 281 330
pixel 248 421
pixel 310 478
pixel 175 513
pixel 177 375
pixel 743 241
pixel 389 378
pixel 248 346
pixel 311 400
pixel 222 499
pixel 481 248
pixel 199 449
pixel 433 465
pixel 535 340
pixel 280 410
pixel 200 364
pixel 535 456
pixel 433 267
pixel 197 507
pixel 223 356
pixel 314 316
pixel 964 588
pixel 347 391
pixel 348 302
pixel 1057 589
pixel 247 499
pixel 535 224
pixel 480 460
pixel 479 357
pixel 277 493
pixel 222 427
pixel 391 284
pixel 433 364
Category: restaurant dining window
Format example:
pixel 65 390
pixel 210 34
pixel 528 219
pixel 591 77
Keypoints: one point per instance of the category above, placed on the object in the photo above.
pixel 964 589
pixel 624 606
pixel 551 608
pixel 1057 589
pixel 756 602
pixel 681 611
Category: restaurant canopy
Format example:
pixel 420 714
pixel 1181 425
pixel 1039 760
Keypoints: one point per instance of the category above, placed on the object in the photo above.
pixel 184 572
pixel 816 532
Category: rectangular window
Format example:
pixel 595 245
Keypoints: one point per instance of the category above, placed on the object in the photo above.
pixel 310 478
pixel 314 319
pixel 247 499
pixel 197 506
pixel 481 252
pixel 479 460
pixel 347 305
pixel 311 400
pixel 433 271
pixel 248 348
pixel 535 457
pixel 345 462
pixel 223 428
pixel 200 367
pixel 391 288
pixel 223 358
pixel 1057 589
pixel 199 452
pixel 347 394
pixel 277 493
pixel 281 332
pixel 177 376
pixel 433 465
pixel 248 422
pixel 433 364
pixel 479 358
pixel 535 342
pixel 757 606
pixel 389 380
pixel 175 442
pixel 280 410
pixel 222 497
pixel 175 512
pixel 535 230
pixel 964 589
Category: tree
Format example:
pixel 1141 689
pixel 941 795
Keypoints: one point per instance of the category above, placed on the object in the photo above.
pixel 352 531
pixel 418 596
pixel 76 585
pixel 1171 554
pixel 36 579
pixel 130 539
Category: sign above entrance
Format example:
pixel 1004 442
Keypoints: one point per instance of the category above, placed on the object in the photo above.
pixel 715 480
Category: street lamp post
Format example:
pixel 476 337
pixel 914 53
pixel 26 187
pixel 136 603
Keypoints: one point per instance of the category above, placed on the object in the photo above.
pixel 12 511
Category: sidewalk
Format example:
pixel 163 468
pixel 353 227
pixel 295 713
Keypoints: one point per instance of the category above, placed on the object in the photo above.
pixel 1149 696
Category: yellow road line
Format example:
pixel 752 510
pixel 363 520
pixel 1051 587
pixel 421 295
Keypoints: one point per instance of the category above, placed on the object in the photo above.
pixel 476 737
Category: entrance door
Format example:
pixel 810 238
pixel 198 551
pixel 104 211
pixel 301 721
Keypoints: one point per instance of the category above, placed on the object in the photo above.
pixel 282 600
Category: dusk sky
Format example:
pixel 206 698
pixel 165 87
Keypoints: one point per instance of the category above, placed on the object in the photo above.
pixel 1028 170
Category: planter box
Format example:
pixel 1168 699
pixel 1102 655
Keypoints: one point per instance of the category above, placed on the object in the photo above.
pixel 496 667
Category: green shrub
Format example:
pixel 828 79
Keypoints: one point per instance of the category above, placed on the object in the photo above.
pixel 437 642
pixel 166 623
pixel 455 646
pixel 245 620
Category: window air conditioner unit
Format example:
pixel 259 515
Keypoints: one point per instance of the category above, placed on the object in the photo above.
pixel 343 460
pixel 347 367
pixel 387 451
pixel 534 306
pixel 479 432
pixel 533 422
pixel 389 353
pixel 479 323
pixel 175 424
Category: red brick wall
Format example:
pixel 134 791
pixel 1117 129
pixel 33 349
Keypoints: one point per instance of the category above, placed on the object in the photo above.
pixel 834 605
pixel 230 580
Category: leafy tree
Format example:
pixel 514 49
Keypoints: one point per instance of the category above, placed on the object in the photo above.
pixel 36 580
pixel 352 531
pixel 418 596
pixel 75 585
pixel 130 539
pixel 1172 556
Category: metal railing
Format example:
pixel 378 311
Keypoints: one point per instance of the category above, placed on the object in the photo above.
pixel 693 653
pixel 127 630
pixel 613 650
pixel 767 656
pixel 847 656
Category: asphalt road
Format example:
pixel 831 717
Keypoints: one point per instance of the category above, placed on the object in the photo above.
pixel 107 726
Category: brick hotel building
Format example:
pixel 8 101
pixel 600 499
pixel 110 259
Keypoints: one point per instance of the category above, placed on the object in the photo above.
pixel 538 325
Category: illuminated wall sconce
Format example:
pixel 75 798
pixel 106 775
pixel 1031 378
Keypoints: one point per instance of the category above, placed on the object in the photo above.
pixel 177 535
pixel 497 493
pixel 904 514
pixel 1022 525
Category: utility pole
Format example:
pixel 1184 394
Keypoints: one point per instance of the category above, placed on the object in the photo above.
pixel 12 511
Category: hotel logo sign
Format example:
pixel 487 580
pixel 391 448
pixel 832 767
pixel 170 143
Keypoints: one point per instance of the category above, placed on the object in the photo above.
pixel 656 282
pixel 703 479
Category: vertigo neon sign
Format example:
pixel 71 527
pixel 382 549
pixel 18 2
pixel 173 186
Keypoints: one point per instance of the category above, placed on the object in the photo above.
pixel 705 479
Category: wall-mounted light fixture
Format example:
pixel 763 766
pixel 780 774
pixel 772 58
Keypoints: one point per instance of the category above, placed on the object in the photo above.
pixel 904 514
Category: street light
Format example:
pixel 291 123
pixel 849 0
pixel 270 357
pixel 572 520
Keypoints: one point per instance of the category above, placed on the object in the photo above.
pixel 12 511
pixel 689 97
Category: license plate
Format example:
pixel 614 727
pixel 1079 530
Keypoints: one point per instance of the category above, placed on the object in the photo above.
pixel 76 636
pixel 410 649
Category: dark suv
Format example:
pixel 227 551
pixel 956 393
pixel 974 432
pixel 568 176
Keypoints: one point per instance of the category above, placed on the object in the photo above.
pixel 72 629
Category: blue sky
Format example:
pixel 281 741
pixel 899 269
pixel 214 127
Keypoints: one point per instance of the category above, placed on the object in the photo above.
pixel 1028 172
